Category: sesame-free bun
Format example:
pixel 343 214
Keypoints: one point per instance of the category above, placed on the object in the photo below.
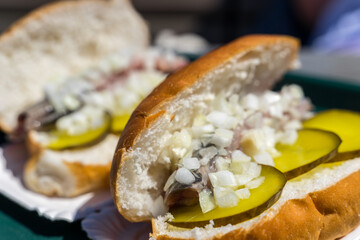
pixel 61 40
pixel 321 204
pixel 68 173
pixel 251 63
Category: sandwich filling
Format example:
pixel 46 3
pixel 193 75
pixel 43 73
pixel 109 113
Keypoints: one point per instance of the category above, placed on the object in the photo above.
pixel 217 160
pixel 80 104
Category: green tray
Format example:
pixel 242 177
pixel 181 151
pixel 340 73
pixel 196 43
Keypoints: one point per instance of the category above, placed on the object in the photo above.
pixel 326 93
pixel 19 223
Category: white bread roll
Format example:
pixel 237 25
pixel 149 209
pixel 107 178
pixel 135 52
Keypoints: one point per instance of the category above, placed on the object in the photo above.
pixel 57 41
pixel 60 40
pixel 137 177
pixel 325 205
pixel 68 173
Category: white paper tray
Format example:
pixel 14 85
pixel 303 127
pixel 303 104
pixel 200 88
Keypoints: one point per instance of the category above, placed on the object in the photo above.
pixel 108 224
pixel 12 159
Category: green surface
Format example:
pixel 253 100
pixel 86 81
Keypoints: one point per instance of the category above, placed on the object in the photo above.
pixel 19 223
pixel 326 94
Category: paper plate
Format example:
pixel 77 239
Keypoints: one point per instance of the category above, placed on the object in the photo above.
pixel 12 161
pixel 107 224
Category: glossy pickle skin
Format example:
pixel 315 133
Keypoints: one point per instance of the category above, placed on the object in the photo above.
pixel 325 141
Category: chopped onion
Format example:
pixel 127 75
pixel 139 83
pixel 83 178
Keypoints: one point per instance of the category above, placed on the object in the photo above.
pixel 180 142
pixel 179 152
pixel 222 120
pixel 211 136
pixel 89 117
pixel 199 120
pixel 208 152
pixel 222 163
pixel 237 167
pixel 255 183
pixel 288 137
pixel 225 197
pixel 222 137
pixel 170 181
pixel 196 144
pixel 191 163
pixel 294 91
pixel 256 141
pixel 243 193
pixel 252 169
pixel 206 200
pixel 223 178
pixel 252 141
pixel 276 110
pixel 204 161
pixel 243 179
pixel 220 103
pixel 182 138
pixel 293 124
pixel 264 158
pixel 250 101
pixel 254 120
pixel 248 168
pixel 270 97
pixel 64 123
pixel 184 176
pixel 71 102
pixel 239 156
pixel 198 131
pixel 205 139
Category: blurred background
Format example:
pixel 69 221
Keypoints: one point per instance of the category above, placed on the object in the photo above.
pixel 325 27
pixel 315 22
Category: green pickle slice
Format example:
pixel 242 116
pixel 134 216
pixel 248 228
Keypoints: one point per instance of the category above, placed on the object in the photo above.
pixel 118 122
pixel 327 137
pixel 260 199
pixel 344 123
pixel 309 174
pixel 63 140
pixel 312 147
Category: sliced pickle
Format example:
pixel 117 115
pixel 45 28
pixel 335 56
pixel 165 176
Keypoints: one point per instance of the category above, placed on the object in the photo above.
pixel 260 199
pixel 312 147
pixel 344 123
pixel 312 172
pixel 62 140
pixel 118 122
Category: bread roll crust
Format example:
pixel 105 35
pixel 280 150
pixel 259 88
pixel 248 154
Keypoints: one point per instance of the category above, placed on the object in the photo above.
pixel 59 40
pixel 151 109
pixel 326 214
pixel 69 173
pixel 146 112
